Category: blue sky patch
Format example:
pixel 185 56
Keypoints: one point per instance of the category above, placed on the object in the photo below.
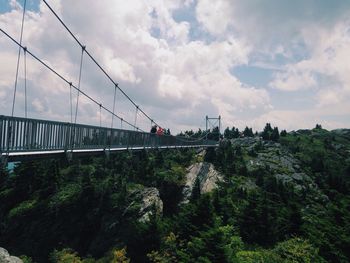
pixel 253 76
pixel 32 5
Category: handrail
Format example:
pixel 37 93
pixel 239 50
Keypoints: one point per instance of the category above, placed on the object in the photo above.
pixel 18 134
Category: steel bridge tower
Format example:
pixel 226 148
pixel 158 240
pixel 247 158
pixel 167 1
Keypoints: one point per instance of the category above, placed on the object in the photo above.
pixel 212 123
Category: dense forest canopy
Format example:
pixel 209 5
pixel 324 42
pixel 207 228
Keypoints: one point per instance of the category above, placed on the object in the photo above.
pixel 284 197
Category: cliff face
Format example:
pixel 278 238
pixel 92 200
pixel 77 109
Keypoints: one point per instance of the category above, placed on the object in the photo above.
pixel 208 178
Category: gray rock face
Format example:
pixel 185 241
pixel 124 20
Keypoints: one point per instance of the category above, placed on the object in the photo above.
pixel 206 174
pixel 281 164
pixel 247 142
pixel 146 202
pixel 343 132
pixel 5 257
pixel 150 203
pixel 268 154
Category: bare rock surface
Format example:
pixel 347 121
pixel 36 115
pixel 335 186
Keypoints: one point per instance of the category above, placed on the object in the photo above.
pixel 5 257
pixel 150 203
pixel 280 163
pixel 145 202
pixel 206 175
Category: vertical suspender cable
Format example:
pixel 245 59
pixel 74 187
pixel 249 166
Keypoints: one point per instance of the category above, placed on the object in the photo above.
pixel 77 103
pixel 9 131
pixel 25 82
pixel 115 91
pixel 26 134
pixel 71 103
pixel 100 130
pixel 137 109
pixel 79 80
pixel 18 58
pixel 100 116
pixel 71 114
pixel 121 123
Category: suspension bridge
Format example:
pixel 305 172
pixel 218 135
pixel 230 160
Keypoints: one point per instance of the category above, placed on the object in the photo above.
pixel 26 138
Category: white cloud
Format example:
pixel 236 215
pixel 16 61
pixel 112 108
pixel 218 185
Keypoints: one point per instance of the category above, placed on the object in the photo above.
pixel 326 69
pixel 292 80
pixel 215 16
pixel 175 78
pixel 307 42
pixel 158 72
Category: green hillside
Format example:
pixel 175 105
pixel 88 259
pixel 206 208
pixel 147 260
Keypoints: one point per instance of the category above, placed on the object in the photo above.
pixel 276 197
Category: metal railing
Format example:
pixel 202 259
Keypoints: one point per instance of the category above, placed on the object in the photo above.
pixel 30 135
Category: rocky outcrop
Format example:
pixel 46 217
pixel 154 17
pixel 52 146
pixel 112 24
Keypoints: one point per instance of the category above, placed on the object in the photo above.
pixel 145 202
pixel 207 178
pixel 150 203
pixel 280 163
pixel 5 257
pixel 342 132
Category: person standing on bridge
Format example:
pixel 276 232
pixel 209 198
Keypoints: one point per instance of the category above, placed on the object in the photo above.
pixel 153 141
pixel 160 131
pixel 154 129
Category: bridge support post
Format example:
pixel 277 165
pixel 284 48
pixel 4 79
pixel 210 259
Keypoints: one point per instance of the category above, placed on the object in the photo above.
pixel 3 161
pixel 69 156
pixel 107 153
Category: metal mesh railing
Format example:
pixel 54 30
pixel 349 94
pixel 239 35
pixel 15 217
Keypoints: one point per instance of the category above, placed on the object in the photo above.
pixel 28 135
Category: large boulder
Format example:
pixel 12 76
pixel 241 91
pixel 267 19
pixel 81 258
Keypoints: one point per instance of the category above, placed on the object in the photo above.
pixel 5 257
pixel 206 175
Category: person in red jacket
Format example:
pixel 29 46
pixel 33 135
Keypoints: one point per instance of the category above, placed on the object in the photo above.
pixel 160 131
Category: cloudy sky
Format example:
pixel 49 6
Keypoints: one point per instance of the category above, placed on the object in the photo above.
pixel 252 61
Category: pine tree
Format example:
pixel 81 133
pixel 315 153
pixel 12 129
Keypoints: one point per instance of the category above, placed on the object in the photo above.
pixel 283 133
pixel 227 133
pixel 248 132
pixel 275 134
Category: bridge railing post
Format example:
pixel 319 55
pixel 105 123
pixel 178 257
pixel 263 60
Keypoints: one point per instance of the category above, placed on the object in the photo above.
pixel 2 133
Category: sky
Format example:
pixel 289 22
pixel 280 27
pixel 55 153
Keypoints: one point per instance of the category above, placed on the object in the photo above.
pixel 252 62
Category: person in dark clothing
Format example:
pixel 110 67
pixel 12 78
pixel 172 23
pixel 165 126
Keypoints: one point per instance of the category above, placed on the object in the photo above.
pixel 154 129
pixel 153 136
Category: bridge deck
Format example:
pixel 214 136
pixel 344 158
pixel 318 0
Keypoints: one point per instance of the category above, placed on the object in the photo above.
pixel 23 137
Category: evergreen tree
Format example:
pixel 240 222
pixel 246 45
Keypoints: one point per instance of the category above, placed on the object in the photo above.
pixel 266 134
pixel 283 133
pixel 275 134
pixel 248 132
pixel 235 132
pixel 227 133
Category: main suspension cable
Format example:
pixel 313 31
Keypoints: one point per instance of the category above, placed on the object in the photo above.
pixel 95 61
pixel 63 78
